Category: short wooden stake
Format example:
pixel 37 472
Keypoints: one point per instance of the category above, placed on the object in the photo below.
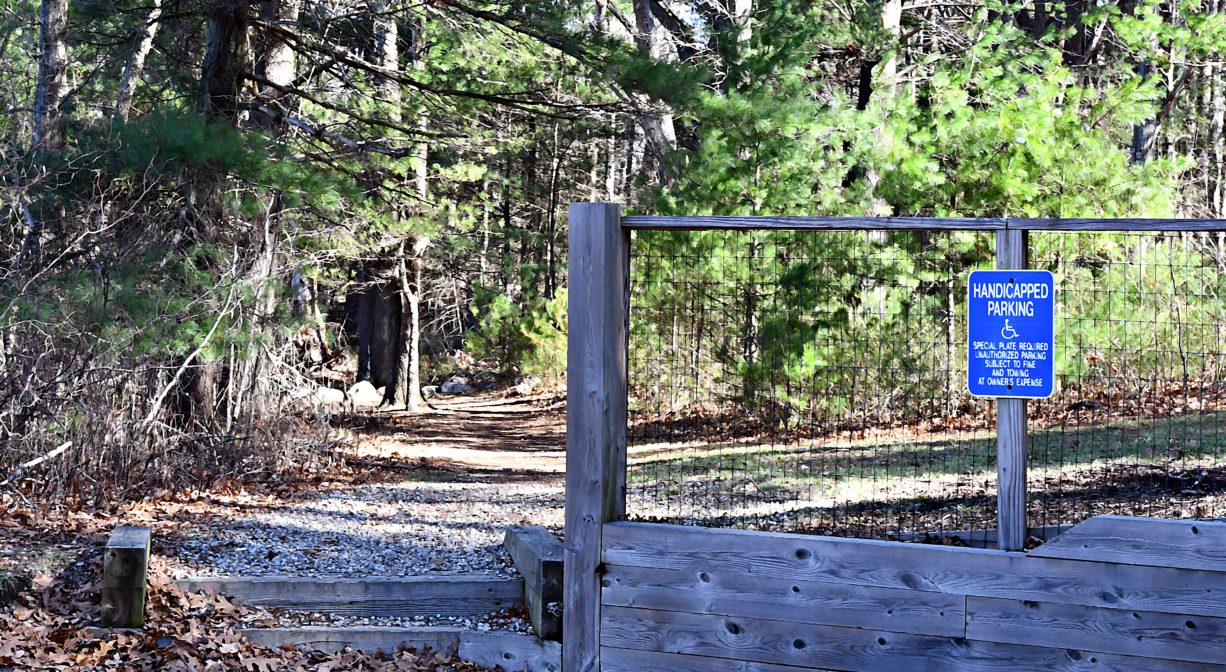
pixel 125 567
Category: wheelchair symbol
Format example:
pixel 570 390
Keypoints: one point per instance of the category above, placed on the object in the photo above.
pixel 1008 333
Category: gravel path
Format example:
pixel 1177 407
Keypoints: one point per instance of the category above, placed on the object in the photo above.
pixel 477 466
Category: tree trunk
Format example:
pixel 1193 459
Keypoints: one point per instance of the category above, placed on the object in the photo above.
pixel 277 61
pixel 1217 120
pixel 1077 46
pixel 366 323
pixel 402 296
pixel 384 328
pixel 225 58
pixel 1143 133
pixel 657 124
pixel 52 70
pixel 405 389
pixel 136 63
pixel 887 74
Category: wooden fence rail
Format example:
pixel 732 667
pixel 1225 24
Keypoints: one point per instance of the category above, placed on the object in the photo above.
pixel 916 224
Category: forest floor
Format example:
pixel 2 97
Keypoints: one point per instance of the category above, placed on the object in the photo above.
pixel 416 494
pixel 433 493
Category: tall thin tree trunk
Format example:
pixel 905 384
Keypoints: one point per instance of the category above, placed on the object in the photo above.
pixel 136 63
pixel 551 217
pixel 1216 123
pixel 225 58
pixel 885 86
pixel 277 62
pixel 1143 132
pixel 52 71
pixel 506 225
pixel 49 135
pixel 411 283
pixel 657 123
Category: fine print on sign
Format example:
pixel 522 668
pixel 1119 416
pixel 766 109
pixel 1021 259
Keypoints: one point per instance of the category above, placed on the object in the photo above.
pixel 1011 326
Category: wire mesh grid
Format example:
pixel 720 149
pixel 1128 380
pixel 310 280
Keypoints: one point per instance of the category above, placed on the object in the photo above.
pixel 1138 426
pixel 815 382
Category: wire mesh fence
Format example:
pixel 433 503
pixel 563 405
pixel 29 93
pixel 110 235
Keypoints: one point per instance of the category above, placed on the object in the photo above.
pixel 1139 424
pixel 815 382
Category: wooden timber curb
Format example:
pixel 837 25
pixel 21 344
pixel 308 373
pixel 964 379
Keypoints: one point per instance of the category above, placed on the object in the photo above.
pixel 507 650
pixel 442 595
pixel 538 556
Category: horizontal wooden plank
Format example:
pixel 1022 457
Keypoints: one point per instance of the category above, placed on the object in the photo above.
pixel 957 571
pixel 717 591
pixel 660 223
pixel 510 651
pixel 811 223
pixel 1187 544
pixel 1137 633
pixel 1104 224
pixel 364 638
pixel 443 595
pixel 629 660
pixel 852 649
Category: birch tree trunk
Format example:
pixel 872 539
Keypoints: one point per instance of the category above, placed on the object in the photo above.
pixel 411 272
pixel 657 123
pixel 136 63
pixel 1217 102
pixel 277 60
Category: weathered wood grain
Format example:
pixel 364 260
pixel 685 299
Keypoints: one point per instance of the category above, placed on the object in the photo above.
pixel 718 591
pixel 1012 249
pixel 359 638
pixel 647 223
pixel 957 571
pixel 544 615
pixel 125 565
pixel 1124 631
pixel 852 649
pixel 442 595
pixel 538 555
pixel 598 281
pixel 1089 224
pixel 510 651
pixel 1187 544
pixel 629 660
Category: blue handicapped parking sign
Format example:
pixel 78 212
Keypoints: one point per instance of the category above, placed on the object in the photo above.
pixel 1011 327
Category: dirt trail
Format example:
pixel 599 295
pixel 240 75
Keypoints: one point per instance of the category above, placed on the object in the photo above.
pixel 440 491
pixel 481 434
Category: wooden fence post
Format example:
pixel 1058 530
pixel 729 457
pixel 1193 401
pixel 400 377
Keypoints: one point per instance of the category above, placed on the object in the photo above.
pixel 1012 248
pixel 598 276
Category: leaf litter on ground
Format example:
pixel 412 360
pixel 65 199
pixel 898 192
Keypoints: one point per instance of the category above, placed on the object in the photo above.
pixel 50 627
